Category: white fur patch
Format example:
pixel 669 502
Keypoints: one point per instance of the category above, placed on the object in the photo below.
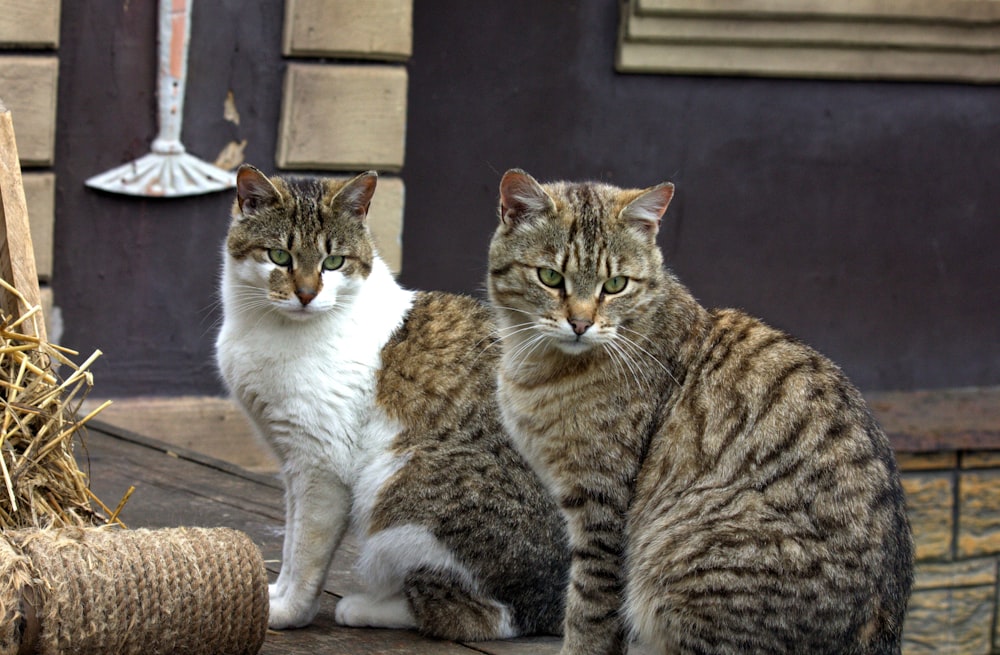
pixel 370 482
pixel 366 611
pixel 385 559
pixel 388 555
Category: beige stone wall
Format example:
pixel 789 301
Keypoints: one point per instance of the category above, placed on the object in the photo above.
pixel 340 115
pixel 29 69
pixel 954 505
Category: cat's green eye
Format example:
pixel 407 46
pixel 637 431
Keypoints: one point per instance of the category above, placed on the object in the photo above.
pixel 279 256
pixel 616 284
pixel 550 277
pixel 333 262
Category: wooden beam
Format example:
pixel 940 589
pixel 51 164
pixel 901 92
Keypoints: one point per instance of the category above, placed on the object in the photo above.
pixel 17 258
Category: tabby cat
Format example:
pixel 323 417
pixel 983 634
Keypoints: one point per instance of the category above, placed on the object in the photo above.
pixel 380 404
pixel 726 489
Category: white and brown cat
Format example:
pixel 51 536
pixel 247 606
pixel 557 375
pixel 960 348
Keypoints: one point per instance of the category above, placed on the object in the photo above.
pixel 379 403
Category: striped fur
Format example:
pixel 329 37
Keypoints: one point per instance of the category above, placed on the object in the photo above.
pixel 726 488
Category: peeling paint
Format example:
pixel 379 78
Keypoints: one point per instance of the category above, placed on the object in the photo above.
pixel 232 155
pixel 229 111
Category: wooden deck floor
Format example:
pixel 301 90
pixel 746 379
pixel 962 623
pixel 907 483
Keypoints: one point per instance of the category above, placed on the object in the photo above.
pixel 179 487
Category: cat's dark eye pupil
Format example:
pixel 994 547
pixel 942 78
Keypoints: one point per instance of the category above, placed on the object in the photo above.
pixel 333 262
pixel 550 277
pixel 279 256
pixel 616 284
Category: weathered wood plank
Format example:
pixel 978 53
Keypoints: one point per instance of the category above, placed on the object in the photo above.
pixel 807 62
pixel 986 11
pixel 939 419
pixel 213 426
pixel 17 257
pixel 325 636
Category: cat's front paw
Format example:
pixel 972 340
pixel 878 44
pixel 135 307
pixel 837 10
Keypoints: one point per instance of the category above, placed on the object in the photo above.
pixel 363 611
pixel 286 612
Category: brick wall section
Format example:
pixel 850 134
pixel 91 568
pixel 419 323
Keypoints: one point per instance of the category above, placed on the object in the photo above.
pixel 954 506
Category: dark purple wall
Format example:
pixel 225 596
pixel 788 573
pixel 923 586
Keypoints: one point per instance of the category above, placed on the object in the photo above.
pixel 137 277
pixel 863 217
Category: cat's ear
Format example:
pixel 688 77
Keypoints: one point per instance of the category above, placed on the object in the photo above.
pixel 254 190
pixel 521 197
pixel 357 194
pixel 646 210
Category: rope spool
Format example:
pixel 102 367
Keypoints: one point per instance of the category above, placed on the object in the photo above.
pixel 189 591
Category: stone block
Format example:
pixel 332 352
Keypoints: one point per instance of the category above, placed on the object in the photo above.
pixel 978 513
pixel 28 87
pixel 39 195
pixel 385 220
pixel 366 29
pixel 950 621
pixel 343 117
pixel 981 571
pixel 29 23
pixel 930 503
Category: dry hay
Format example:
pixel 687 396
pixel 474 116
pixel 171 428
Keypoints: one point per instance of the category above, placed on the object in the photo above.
pixel 42 484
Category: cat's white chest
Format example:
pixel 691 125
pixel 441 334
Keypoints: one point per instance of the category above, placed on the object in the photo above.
pixel 309 386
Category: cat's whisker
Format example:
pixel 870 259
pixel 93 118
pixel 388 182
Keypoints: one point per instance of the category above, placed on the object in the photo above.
pixel 615 359
pixel 498 331
pixel 634 365
pixel 645 337
pixel 498 337
pixel 514 309
pixel 514 329
pixel 618 353
pixel 632 344
pixel 523 352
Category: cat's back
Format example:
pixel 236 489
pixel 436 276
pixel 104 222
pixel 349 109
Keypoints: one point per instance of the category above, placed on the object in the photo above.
pixel 753 395
pixel 769 479
pixel 438 369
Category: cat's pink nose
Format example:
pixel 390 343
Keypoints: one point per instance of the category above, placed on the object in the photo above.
pixel 580 325
pixel 305 295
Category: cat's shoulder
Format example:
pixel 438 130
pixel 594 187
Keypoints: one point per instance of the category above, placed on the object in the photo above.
pixel 437 321
pixel 442 333
pixel 440 360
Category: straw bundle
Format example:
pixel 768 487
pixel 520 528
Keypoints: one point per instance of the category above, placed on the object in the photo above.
pixel 42 484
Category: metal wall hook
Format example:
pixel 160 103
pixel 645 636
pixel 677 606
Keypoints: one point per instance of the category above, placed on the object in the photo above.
pixel 168 171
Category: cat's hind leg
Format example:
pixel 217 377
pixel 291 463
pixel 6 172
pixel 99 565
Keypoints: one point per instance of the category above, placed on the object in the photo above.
pixel 408 564
pixel 445 606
